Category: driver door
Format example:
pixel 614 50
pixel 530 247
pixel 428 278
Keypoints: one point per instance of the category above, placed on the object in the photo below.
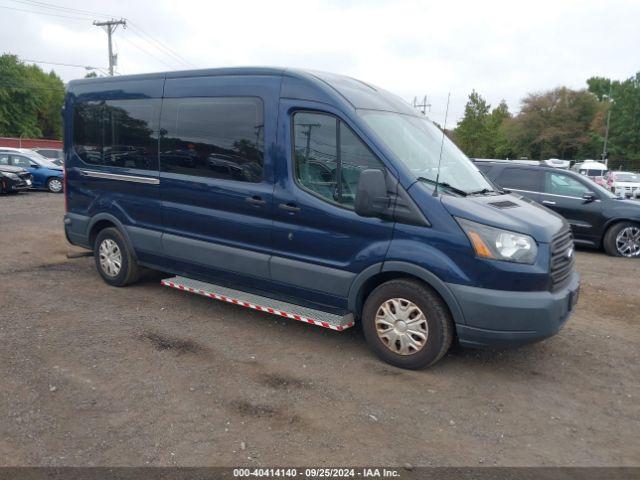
pixel 319 243
pixel 563 194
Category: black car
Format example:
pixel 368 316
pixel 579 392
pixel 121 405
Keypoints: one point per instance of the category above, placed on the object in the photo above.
pixel 14 179
pixel 598 218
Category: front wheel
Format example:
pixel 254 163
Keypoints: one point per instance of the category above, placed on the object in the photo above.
pixel 407 324
pixel 623 240
pixel 54 185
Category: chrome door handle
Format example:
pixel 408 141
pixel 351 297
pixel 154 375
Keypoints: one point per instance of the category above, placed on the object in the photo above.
pixel 548 202
pixel 255 200
pixel 289 207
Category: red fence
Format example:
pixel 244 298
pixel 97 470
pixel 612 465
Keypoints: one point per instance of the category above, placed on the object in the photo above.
pixel 29 143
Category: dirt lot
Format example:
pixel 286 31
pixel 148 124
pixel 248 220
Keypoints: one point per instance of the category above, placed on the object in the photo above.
pixel 95 375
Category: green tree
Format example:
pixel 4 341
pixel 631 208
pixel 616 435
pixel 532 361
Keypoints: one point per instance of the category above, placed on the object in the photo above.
pixel 624 130
pixel 557 123
pixel 30 100
pixel 471 132
pixel 480 133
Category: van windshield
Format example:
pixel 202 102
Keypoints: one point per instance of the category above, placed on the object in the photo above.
pixel 417 143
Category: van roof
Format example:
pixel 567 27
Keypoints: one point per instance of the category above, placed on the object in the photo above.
pixel 358 94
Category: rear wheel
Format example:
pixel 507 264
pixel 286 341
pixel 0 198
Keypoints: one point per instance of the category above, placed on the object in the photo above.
pixel 114 260
pixel 407 324
pixel 54 185
pixel 623 240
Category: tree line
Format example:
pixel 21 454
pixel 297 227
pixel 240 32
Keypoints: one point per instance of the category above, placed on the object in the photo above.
pixel 30 100
pixel 560 123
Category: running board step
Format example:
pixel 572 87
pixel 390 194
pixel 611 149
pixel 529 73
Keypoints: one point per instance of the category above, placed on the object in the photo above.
pixel 263 304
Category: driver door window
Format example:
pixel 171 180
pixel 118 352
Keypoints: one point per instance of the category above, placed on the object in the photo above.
pixel 560 184
pixel 329 157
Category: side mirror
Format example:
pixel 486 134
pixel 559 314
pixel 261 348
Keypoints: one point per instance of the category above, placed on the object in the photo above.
pixel 371 197
pixel 35 165
pixel 589 197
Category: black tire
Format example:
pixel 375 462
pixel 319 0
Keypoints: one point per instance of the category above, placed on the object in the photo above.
pixel 611 235
pixel 439 323
pixel 54 185
pixel 129 270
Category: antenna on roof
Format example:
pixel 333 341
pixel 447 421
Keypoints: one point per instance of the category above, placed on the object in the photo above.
pixel 444 129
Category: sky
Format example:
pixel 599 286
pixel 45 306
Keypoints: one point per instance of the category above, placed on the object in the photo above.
pixel 503 50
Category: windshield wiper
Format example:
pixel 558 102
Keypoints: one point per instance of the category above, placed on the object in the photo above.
pixel 481 192
pixel 443 184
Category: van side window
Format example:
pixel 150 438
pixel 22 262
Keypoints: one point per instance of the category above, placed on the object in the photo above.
pixel 88 131
pixel 329 157
pixel 520 179
pixel 213 137
pixel 117 133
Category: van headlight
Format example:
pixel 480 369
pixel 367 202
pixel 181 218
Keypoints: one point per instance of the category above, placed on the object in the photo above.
pixel 498 244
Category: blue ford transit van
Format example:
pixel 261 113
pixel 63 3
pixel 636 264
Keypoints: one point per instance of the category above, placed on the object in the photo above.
pixel 311 196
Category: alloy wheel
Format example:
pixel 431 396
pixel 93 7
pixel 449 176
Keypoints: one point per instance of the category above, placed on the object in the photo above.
pixel 628 242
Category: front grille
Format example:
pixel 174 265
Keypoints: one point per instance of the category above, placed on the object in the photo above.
pixel 562 258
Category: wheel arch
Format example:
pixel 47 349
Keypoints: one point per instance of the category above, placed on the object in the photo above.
pixel 105 220
pixel 613 222
pixel 377 274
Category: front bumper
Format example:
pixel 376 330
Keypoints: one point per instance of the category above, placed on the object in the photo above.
pixel 498 318
pixel 18 185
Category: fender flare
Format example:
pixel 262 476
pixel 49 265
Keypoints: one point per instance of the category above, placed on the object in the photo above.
pixel 403 267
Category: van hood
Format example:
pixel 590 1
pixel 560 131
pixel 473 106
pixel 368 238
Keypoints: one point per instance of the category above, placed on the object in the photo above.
pixel 510 212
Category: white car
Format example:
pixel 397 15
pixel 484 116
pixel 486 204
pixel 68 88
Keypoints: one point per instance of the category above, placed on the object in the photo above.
pixel 624 184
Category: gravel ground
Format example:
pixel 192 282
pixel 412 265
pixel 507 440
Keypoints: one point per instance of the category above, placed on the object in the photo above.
pixel 144 375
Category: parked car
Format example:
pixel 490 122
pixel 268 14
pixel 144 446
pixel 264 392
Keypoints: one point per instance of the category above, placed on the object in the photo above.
pixel 356 208
pixel 624 184
pixel 45 174
pixel 13 179
pixel 597 217
pixel 56 155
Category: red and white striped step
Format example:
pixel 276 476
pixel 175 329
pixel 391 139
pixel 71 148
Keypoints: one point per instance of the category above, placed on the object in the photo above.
pixel 262 304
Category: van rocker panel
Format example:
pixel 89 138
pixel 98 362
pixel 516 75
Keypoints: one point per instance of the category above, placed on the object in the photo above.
pixel 216 256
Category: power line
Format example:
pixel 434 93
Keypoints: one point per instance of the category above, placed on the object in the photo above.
pixel 137 30
pixel 42 13
pixel 161 45
pixel 52 6
pixel 86 67
pixel 74 14
pixel 147 52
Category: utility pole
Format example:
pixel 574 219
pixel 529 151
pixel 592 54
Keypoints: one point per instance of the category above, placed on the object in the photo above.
pixel 110 27
pixel 605 154
pixel 422 106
